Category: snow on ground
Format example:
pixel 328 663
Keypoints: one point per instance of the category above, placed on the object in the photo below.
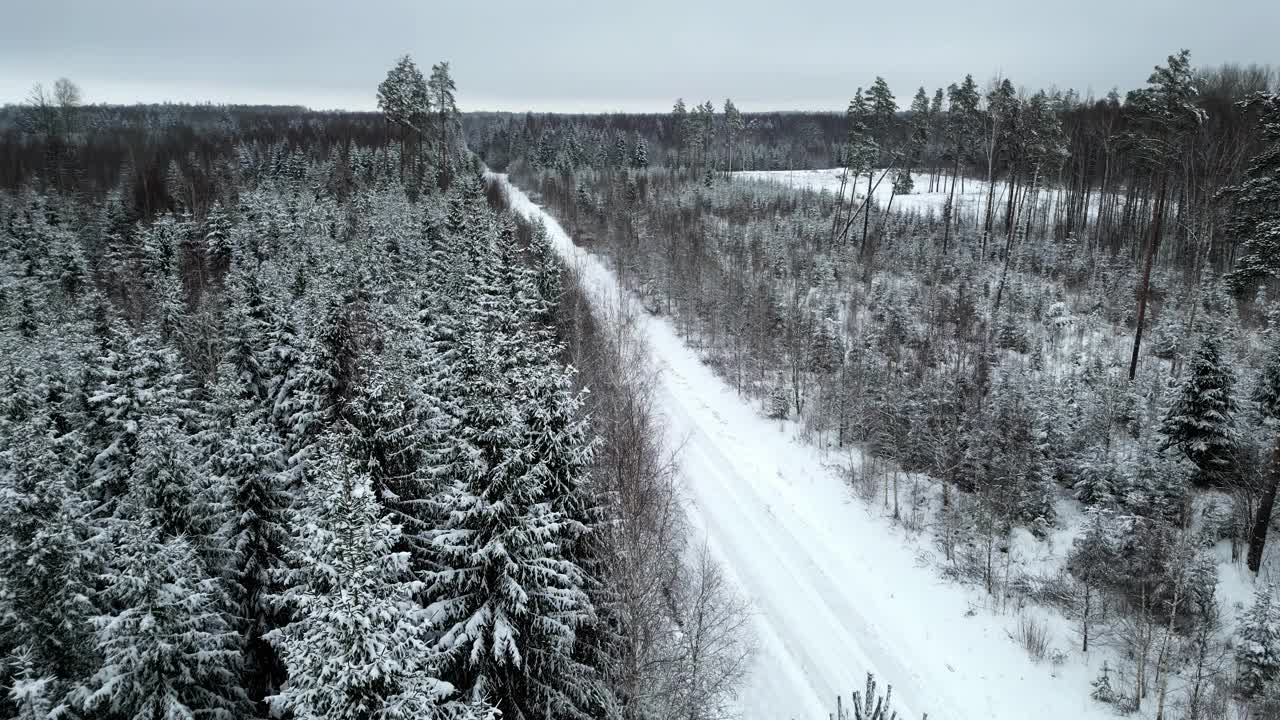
pixel 837 592
pixel 970 197
pixel 1087 336
pixel 967 203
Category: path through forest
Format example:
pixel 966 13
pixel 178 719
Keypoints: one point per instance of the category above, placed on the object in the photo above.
pixel 836 591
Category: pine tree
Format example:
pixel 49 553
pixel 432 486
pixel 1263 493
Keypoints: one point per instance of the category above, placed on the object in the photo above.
pixel 961 130
pixel 734 126
pixel 680 130
pixel 358 647
pixel 442 89
pixel 1199 421
pixel 403 97
pixel 1164 114
pixel 858 156
pixel 882 109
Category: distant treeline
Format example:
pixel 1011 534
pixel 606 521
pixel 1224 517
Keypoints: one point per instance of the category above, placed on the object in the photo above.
pixel 148 147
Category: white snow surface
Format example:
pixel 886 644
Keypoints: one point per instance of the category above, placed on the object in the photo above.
pixel 970 195
pixel 837 591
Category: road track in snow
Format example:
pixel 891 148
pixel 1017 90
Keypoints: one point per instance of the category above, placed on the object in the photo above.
pixel 836 593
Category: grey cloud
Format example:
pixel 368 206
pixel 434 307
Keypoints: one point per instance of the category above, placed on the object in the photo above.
pixel 605 55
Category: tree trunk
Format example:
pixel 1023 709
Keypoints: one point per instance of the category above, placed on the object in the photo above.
pixel 866 217
pixel 839 211
pixel 991 197
pixel 884 222
pixel 1008 247
pixel 1153 247
pixel 950 210
pixel 1258 537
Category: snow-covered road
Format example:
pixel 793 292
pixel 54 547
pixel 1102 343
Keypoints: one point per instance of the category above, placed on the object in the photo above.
pixel 837 593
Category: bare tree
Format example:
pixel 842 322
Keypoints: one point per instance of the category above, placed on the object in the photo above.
pixel 714 642
pixel 39 114
pixel 67 95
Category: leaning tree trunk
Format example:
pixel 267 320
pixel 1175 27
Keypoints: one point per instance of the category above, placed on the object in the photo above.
pixel 1258 537
pixel 838 215
pixel 1009 246
pixel 866 217
pixel 1153 246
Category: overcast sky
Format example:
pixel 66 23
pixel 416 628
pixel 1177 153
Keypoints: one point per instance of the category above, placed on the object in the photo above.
pixel 602 55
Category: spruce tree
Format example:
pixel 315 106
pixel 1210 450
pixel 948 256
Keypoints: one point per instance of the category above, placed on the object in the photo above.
pixel 620 155
pixel 250 461
pixel 166 485
pixel 49 553
pixel 547 267
pixel 140 378
pixel 386 432
pixel 1200 420
pixel 359 645
pixel 1257 201
pixel 33 696
pixel 1267 398
pixel 247 346
pixel 562 449
pixel 507 596
pixel 639 153
pixel 167 649
pixel 1258 647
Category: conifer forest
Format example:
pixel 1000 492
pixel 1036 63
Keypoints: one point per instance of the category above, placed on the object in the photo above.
pixel 956 402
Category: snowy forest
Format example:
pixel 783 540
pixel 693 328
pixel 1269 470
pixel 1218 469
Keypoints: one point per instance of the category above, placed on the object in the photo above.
pixel 292 428
pixel 424 413
pixel 1032 328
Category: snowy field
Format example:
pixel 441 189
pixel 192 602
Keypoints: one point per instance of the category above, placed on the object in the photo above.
pixel 970 197
pixel 837 591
